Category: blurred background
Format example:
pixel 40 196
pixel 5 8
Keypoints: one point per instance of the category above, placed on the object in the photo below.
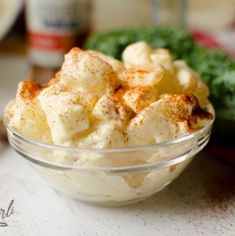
pixel 204 15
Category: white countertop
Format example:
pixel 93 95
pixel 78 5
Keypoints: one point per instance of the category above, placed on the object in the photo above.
pixel 200 202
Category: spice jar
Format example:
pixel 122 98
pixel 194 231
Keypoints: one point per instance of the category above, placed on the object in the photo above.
pixel 54 26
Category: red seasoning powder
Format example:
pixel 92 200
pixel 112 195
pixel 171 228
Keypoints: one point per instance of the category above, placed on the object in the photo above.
pixel 219 192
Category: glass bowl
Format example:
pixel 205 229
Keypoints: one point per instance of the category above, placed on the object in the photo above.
pixel 114 176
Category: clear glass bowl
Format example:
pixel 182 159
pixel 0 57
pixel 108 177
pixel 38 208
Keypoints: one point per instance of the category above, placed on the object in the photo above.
pixel 111 177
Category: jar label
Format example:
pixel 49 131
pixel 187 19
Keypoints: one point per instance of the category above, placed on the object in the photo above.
pixel 51 41
pixel 55 26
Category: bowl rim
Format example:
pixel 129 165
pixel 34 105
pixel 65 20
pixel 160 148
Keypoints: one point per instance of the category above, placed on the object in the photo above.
pixel 110 169
pixel 109 150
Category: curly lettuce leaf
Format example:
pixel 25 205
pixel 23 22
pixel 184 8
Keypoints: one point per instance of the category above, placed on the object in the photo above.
pixel 213 65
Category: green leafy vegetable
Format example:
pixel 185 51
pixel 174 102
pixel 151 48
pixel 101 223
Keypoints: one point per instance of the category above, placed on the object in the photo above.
pixel 213 65
pixel 114 42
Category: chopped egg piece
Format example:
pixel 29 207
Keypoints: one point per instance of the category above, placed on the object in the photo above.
pixel 89 71
pixel 108 108
pixel 26 114
pixel 190 82
pixel 170 117
pixel 138 98
pixel 65 116
pixel 106 135
pixel 137 54
pixel 162 57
